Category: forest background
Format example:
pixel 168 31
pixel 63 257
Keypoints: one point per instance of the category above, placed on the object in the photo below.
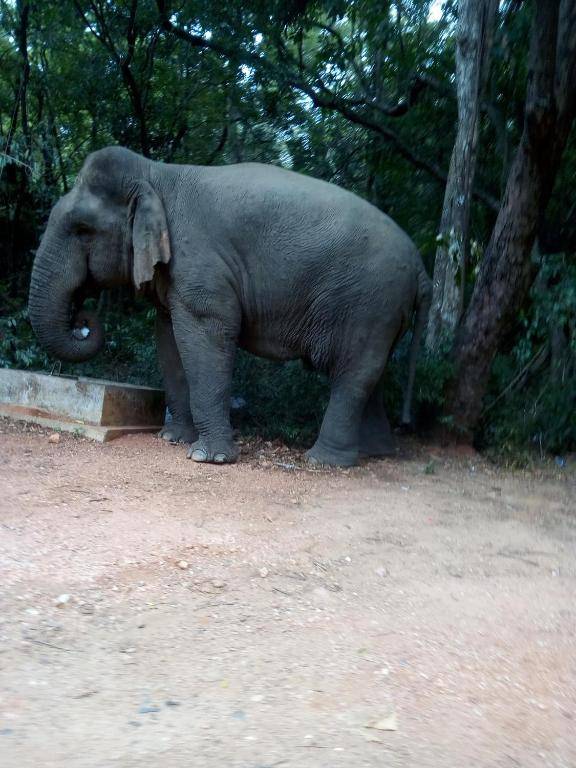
pixel 455 118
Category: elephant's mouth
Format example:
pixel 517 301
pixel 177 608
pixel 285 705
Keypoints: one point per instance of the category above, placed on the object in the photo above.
pixel 86 325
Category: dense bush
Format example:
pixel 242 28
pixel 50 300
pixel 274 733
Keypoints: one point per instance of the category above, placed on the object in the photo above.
pixel 532 403
pixel 18 345
pixel 129 353
pixel 279 400
pixel 529 411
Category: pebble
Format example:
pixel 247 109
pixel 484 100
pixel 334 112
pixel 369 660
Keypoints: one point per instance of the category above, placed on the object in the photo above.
pixel 62 600
pixel 148 708
pixel 183 565
pixel 263 572
pixel 55 438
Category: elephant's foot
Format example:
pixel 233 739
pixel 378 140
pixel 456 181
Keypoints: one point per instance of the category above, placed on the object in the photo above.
pixel 331 457
pixel 377 446
pixel 216 452
pixel 178 432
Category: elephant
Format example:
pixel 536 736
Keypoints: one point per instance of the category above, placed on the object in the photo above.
pixel 249 255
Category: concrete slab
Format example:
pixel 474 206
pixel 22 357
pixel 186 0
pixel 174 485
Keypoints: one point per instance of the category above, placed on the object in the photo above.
pixel 95 408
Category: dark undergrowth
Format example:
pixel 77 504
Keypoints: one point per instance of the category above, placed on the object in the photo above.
pixel 529 412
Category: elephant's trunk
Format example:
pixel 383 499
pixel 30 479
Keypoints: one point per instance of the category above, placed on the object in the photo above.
pixel 61 327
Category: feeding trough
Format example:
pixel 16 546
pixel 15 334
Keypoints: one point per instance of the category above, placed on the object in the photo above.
pixel 94 408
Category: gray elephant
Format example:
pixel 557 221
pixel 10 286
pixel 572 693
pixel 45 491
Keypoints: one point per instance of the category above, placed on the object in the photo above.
pixel 250 255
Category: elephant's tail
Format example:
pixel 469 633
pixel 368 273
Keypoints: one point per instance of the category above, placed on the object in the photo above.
pixel 422 306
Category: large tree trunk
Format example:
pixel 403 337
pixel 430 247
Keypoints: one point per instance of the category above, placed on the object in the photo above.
pixel 21 36
pixel 23 8
pixel 473 46
pixel 504 273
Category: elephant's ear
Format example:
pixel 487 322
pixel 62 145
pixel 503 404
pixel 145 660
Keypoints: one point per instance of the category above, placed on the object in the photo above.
pixel 150 240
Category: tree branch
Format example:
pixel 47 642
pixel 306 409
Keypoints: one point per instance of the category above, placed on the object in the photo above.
pixel 220 146
pixel 102 34
pixel 289 74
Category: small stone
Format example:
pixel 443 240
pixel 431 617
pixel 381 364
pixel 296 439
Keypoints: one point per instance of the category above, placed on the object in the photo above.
pixel 128 650
pixel 148 709
pixel 388 723
pixel 62 600
pixel 218 583
pixel 172 703
pixel 263 572
pixel 55 438
pixel 86 608
pixel 183 565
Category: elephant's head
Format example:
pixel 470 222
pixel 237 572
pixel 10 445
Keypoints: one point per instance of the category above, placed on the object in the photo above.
pixel 110 229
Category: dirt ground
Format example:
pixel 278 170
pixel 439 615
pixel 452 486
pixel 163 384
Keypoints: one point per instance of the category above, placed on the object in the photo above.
pixel 418 611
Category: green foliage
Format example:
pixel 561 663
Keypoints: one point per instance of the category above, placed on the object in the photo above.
pixel 129 353
pixel 533 393
pixel 282 399
pixel 18 345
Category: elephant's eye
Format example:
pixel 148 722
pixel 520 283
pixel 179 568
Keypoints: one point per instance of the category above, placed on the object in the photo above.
pixel 83 230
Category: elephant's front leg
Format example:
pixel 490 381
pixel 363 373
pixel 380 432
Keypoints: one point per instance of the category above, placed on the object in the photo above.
pixel 207 346
pixel 181 429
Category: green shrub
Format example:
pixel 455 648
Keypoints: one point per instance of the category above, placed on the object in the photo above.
pixel 129 353
pixel 532 398
pixel 18 345
pixel 527 409
pixel 282 400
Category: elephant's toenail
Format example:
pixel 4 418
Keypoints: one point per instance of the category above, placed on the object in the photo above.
pixel 199 455
pixel 220 458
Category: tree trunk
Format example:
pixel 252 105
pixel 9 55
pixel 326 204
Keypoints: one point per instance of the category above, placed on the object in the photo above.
pixel 474 41
pixel 504 273
pixel 21 36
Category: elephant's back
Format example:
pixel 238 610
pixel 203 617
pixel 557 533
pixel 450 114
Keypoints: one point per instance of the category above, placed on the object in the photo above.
pixel 269 203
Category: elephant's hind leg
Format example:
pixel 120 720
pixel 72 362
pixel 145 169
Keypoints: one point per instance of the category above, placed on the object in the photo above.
pixel 338 443
pixel 375 434
pixel 181 429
